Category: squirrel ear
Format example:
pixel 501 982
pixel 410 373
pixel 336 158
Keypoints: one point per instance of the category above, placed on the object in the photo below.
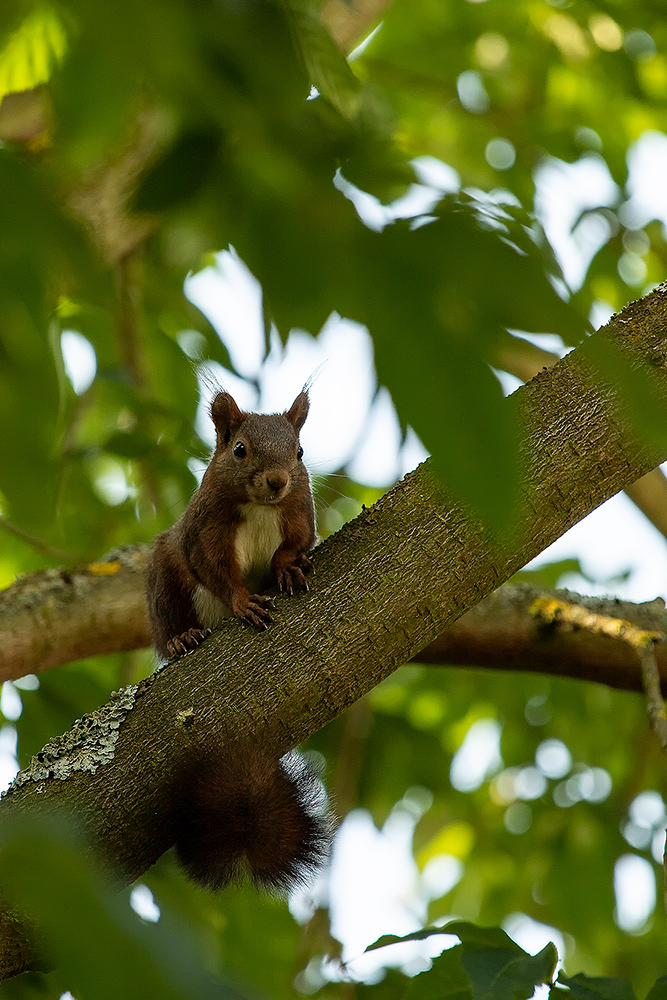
pixel 226 416
pixel 298 411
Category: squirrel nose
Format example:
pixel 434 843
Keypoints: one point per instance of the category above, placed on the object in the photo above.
pixel 276 479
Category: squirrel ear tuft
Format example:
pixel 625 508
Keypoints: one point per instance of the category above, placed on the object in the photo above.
pixel 298 411
pixel 226 416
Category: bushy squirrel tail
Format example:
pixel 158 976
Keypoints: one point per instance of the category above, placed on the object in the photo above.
pixel 241 811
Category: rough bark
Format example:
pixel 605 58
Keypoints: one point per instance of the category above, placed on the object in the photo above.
pixel 56 616
pixel 387 585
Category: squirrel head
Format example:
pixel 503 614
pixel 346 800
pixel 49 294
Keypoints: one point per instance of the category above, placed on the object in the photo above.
pixel 258 456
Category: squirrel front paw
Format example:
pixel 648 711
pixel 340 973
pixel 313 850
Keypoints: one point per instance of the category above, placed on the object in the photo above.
pixel 253 608
pixel 182 644
pixel 292 571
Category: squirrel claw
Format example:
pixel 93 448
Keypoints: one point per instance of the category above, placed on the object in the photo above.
pixel 186 642
pixel 303 563
pixel 254 610
pixel 290 576
pixel 261 623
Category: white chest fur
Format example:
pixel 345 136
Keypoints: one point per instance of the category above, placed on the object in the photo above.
pixel 257 538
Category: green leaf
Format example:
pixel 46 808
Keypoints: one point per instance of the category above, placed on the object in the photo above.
pixel 583 987
pixel 256 936
pixel 180 174
pixel 428 330
pixel 487 965
pixel 639 399
pixel 497 967
pixel 659 990
pixel 99 945
pixel 503 976
pixel 421 935
pixel 445 980
pixel 30 54
pixel 472 936
pixel 326 65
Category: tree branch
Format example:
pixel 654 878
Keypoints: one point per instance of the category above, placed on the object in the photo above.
pixel 502 633
pixel 56 616
pixel 387 585
pixel 53 617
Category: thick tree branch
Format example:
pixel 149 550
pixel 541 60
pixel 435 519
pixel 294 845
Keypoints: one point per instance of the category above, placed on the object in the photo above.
pixel 388 584
pixel 56 616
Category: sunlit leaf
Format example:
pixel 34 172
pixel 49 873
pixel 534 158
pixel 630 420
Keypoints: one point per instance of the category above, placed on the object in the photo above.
pixel 30 54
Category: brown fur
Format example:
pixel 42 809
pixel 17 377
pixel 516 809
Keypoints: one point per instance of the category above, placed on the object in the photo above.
pixel 200 548
pixel 244 812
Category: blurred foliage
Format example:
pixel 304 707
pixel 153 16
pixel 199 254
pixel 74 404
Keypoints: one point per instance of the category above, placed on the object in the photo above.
pixel 164 131
pixel 96 944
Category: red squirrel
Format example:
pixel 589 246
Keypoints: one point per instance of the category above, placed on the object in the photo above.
pixel 251 521
pixel 252 517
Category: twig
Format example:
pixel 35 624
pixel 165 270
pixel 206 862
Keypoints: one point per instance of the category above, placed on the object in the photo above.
pixel 655 706
pixel 37 543
pixel 643 641
pixel 656 713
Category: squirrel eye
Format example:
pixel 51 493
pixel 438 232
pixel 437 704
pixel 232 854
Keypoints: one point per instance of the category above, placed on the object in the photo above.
pixel 299 454
pixel 239 450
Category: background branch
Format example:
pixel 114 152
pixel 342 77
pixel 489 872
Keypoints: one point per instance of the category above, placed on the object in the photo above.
pixel 53 617
pixel 502 633
pixel 56 616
